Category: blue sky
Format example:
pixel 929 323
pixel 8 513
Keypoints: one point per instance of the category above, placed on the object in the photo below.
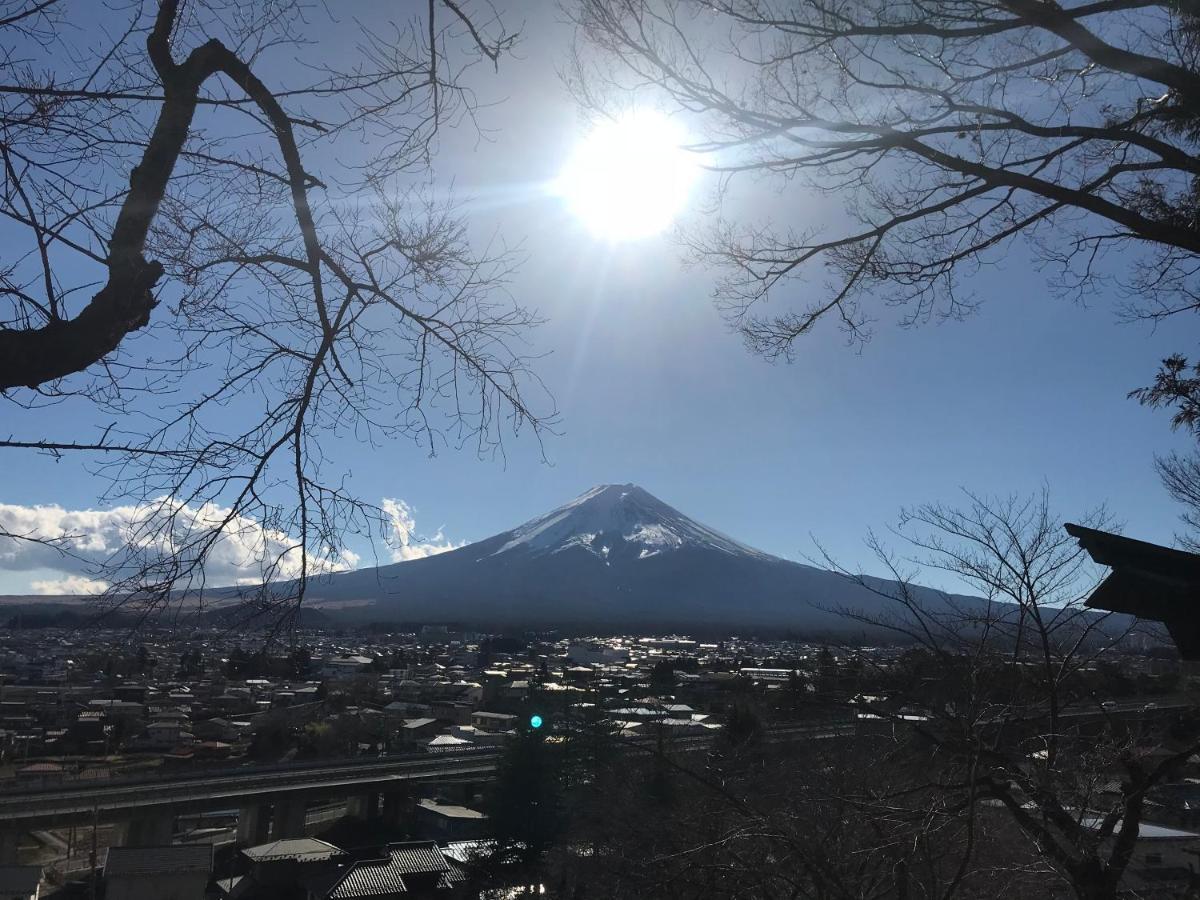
pixel 654 389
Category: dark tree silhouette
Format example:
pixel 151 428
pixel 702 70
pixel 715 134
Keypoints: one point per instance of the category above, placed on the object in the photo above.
pixel 998 685
pixel 219 229
pixel 1177 387
pixel 525 804
pixel 947 128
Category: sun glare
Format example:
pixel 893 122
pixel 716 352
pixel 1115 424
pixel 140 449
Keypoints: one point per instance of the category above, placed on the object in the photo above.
pixel 629 178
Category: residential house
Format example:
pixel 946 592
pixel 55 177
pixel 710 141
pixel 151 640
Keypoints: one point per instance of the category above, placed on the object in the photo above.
pixel 493 721
pixel 286 865
pixel 450 821
pixel 415 731
pixel 342 667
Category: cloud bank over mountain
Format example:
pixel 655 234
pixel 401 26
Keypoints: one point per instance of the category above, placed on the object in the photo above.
pixel 404 541
pixel 48 549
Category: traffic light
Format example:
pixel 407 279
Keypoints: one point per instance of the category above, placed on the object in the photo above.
pixel 535 722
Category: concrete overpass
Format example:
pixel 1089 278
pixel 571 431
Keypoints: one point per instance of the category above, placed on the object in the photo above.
pixel 272 799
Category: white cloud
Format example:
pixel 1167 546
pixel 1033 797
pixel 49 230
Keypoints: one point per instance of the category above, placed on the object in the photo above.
pixel 404 542
pixel 90 538
pixel 70 584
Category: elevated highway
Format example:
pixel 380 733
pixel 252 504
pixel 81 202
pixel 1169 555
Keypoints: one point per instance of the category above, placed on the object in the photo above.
pixel 272 800
pixel 78 803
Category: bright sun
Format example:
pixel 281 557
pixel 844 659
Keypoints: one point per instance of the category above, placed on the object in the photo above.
pixel 629 178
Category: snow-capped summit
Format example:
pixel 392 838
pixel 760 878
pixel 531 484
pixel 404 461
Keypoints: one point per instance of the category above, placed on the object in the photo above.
pixel 618 521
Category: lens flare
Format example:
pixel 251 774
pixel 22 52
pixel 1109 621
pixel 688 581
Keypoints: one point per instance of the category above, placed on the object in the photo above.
pixel 629 178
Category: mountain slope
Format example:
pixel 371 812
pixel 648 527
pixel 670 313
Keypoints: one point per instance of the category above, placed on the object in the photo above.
pixel 616 556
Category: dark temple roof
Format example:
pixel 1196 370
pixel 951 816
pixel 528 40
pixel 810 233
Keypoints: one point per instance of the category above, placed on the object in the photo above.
pixel 1148 581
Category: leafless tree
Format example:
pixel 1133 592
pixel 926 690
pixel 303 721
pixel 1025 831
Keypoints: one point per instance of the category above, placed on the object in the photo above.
pixel 948 129
pixel 220 228
pixel 834 816
pixel 1177 386
pixel 998 684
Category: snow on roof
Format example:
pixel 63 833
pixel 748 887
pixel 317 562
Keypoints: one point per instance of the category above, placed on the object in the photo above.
pixel 451 810
pixel 466 851
pixel 295 849
pixel 448 740
pixel 1146 830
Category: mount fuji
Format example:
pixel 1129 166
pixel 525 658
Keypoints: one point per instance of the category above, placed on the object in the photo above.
pixel 614 557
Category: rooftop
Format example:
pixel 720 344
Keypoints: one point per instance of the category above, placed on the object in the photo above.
pixel 295 849
pixel 385 877
pixel 451 810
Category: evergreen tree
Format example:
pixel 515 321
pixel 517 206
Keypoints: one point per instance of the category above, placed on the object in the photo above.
pixel 525 806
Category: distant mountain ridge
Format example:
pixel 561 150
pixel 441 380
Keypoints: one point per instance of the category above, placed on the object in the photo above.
pixel 616 557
